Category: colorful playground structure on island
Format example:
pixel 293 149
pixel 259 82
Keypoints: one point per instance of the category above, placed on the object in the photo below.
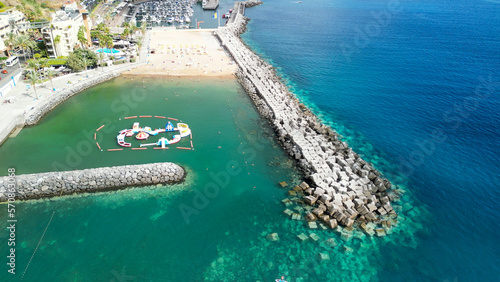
pixel 143 133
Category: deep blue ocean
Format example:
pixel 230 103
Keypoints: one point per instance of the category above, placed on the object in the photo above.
pixel 414 87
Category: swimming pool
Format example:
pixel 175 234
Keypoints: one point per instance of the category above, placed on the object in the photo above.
pixel 108 51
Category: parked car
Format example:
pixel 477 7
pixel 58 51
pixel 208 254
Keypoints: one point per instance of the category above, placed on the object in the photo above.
pixel 5 71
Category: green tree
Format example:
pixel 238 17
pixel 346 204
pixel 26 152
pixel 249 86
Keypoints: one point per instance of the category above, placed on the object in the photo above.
pixel 11 40
pixel 57 40
pixel 103 28
pixel 85 62
pixel 33 78
pixel 125 33
pixel 23 42
pixel 139 45
pixel 42 48
pixel 77 62
pixel 33 65
pixel 100 56
pixel 82 36
pixel 42 64
pixel 50 74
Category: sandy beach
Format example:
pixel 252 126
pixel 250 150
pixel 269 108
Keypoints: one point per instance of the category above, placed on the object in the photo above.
pixel 185 53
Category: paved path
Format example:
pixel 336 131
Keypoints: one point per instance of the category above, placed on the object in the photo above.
pixel 23 99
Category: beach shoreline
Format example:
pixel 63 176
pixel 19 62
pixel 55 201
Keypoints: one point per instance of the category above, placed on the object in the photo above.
pixel 342 188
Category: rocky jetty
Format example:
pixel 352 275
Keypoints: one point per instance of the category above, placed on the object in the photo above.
pixel 50 184
pixel 341 187
pixel 252 3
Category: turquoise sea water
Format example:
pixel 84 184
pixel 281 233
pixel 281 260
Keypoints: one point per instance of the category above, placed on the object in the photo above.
pixel 389 75
pixel 386 96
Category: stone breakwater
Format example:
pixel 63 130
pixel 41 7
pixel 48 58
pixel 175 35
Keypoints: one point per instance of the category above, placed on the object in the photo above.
pixel 50 184
pixel 343 188
pixel 50 102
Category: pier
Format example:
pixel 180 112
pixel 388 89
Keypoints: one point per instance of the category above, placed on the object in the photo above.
pixel 211 5
pixel 239 8
pixel 342 187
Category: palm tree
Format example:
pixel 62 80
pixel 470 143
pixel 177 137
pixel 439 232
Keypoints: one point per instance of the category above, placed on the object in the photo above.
pixel 101 59
pixel 57 39
pixel 85 62
pixel 103 28
pixel 82 37
pixel 33 77
pixel 31 45
pixel 143 29
pixel 139 45
pixel 51 73
pixel 33 65
pixel 43 63
pixel 11 40
pixel 125 34
pixel 23 42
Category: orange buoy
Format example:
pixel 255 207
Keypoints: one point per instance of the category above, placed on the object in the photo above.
pixel 183 148
pixel 160 148
pixel 95 135
pixel 115 149
pixel 173 119
pixel 139 148
pixel 145 116
pixel 98 146
pixel 160 117
pixel 191 143
pixel 99 128
pixel 129 117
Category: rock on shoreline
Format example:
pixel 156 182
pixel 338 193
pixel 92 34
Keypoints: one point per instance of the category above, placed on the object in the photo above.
pixel 343 187
pixel 50 184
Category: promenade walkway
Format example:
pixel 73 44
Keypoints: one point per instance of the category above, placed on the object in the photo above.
pixel 23 99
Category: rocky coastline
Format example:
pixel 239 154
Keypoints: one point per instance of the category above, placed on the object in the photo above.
pixel 51 184
pixel 342 189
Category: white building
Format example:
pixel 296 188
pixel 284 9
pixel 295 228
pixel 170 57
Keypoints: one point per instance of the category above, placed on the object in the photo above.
pixel 65 24
pixel 10 21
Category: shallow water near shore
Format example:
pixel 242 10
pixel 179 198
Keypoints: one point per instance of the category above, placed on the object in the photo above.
pixel 449 221
pixel 212 227
pixel 387 92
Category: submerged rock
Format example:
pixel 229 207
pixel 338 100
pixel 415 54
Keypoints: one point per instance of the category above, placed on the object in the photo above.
pixel 273 237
